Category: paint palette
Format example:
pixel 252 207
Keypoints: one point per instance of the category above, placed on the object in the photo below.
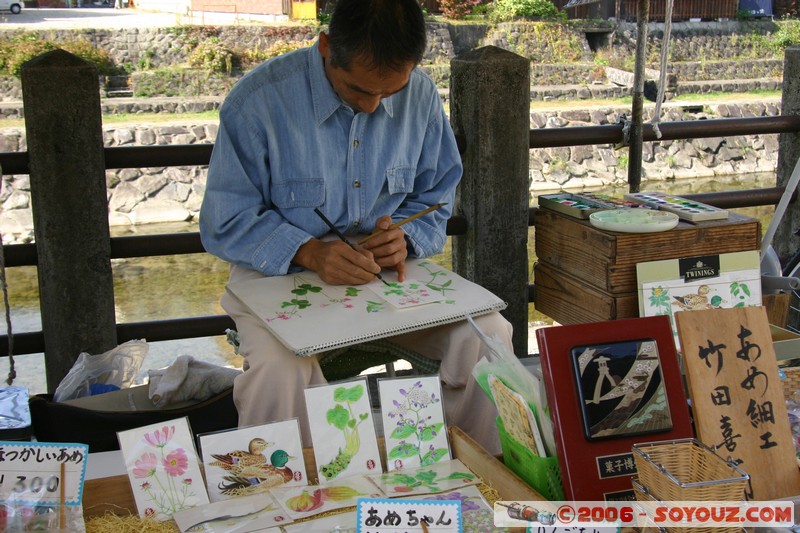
pixel 683 207
pixel 573 205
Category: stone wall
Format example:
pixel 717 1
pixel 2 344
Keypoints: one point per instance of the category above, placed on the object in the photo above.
pixel 171 194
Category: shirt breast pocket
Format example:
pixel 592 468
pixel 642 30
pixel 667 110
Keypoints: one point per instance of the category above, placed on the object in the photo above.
pixel 298 193
pixel 400 179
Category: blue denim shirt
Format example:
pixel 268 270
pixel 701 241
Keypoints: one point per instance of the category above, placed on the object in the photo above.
pixel 287 144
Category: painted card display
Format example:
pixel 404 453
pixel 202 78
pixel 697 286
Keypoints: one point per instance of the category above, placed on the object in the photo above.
pixel 252 459
pixel 601 468
pixel 620 389
pixel 518 418
pixel 302 502
pixel 309 316
pixel 163 468
pixel 438 477
pixel 694 283
pixel 241 515
pixel 342 430
pixel 414 427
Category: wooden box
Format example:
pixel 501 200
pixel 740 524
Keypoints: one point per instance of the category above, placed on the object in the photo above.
pixel 585 274
pixel 607 259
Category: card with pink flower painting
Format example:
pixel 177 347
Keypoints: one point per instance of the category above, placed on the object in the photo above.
pixel 414 428
pixel 163 468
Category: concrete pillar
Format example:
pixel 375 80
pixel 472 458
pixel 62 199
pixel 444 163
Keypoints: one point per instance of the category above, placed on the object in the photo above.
pixel 785 241
pixel 70 214
pixel 490 109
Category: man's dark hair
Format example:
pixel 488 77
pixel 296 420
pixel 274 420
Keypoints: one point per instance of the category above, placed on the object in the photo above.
pixel 388 34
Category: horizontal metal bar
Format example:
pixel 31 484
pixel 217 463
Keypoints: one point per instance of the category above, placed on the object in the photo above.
pixel 157 245
pixel 684 129
pixel 177 155
pixel 153 331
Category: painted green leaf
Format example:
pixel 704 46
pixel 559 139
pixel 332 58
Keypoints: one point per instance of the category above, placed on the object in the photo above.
pixel 374 307
pixel 401 479
pixel 426 476
pixel 351 291
pixel 353 394
pixel 337 417
pixel 403 451
pixel 433 456
pixel 430 432
pixel 460 475
pixel 299 291
pixel 403 431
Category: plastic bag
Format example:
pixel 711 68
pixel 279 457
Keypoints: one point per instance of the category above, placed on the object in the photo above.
pixel 117 367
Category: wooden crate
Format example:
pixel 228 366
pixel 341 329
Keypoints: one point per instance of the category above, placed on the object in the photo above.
pixel 607 260
pixel 569 300
pixel 113 494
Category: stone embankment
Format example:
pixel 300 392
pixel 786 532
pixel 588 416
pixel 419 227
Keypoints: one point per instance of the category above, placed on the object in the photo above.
pixel 173 194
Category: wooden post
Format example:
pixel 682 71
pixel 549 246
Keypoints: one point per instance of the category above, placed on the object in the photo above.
pixel 490 109
pixel 785 241
pixel 70 213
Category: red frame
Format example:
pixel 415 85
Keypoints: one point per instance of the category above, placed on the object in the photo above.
pixel 578 457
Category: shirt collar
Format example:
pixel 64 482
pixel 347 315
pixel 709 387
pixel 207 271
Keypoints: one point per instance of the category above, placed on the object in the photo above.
pixel 325 99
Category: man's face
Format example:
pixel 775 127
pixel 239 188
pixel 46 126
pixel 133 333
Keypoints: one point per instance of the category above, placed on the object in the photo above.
pixel 359 86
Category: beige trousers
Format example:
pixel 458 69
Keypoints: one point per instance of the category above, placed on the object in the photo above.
pixel 271 387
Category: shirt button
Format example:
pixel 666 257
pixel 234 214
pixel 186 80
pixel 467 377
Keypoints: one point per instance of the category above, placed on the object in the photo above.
pixel 356 184
pixel 355 143
pixel 356 223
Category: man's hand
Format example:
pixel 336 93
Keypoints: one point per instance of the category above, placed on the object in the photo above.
pixel 389 248
pixel 337 263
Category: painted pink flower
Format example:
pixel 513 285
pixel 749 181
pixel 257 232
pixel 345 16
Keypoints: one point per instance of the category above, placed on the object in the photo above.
pixel 146 485
pixel 160 437
pixel 283 317
pixel 149 512
pixel 176 462
pixel 145 466
pixel 187 481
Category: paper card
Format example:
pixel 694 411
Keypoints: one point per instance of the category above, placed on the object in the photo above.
pixel 32 472
pixel 391 515
pixel 517 416
pixel 413 422
pixel 343 522
pixel 163 468
pixel 439 477
pixel 252 459
pixel 342 430
pixel 240 515
pixel 302 502
pixel 405 294
pixel 672 285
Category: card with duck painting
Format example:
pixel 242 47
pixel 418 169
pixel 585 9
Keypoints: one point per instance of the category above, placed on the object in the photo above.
pixel 342 430
pixel 413 421
pixel 163 468
pixel 253 459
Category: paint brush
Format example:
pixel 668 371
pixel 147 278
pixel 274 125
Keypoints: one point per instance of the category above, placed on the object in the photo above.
pixel 342 237
pixel 401 222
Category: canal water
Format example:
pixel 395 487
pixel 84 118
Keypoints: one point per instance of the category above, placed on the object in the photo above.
pixel 191 285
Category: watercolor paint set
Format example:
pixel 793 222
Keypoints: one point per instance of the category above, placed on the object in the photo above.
pixel 574 205
pixel 683 207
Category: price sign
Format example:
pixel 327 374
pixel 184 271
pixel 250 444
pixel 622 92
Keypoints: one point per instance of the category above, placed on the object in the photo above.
pixel 42 473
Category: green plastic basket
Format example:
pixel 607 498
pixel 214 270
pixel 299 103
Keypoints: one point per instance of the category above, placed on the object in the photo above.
pixel 541 473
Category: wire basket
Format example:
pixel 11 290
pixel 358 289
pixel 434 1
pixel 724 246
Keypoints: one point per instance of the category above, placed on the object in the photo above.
pixel 687 470
pixel 648 501
pixel 791 383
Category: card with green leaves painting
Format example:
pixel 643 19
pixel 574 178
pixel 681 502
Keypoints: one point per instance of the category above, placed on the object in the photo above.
pixel 439 477
pixel 414 428
pixel 702 282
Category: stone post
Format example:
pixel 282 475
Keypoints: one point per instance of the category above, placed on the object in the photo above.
pixel 490 110
pixel 70 213
pixel 785 241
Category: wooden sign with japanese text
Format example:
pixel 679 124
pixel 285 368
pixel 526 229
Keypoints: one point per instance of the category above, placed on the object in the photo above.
pixel 737 395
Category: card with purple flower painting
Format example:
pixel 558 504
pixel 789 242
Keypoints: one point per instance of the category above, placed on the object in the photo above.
pixel 414 427
pixel 163 468
pixel 440 477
